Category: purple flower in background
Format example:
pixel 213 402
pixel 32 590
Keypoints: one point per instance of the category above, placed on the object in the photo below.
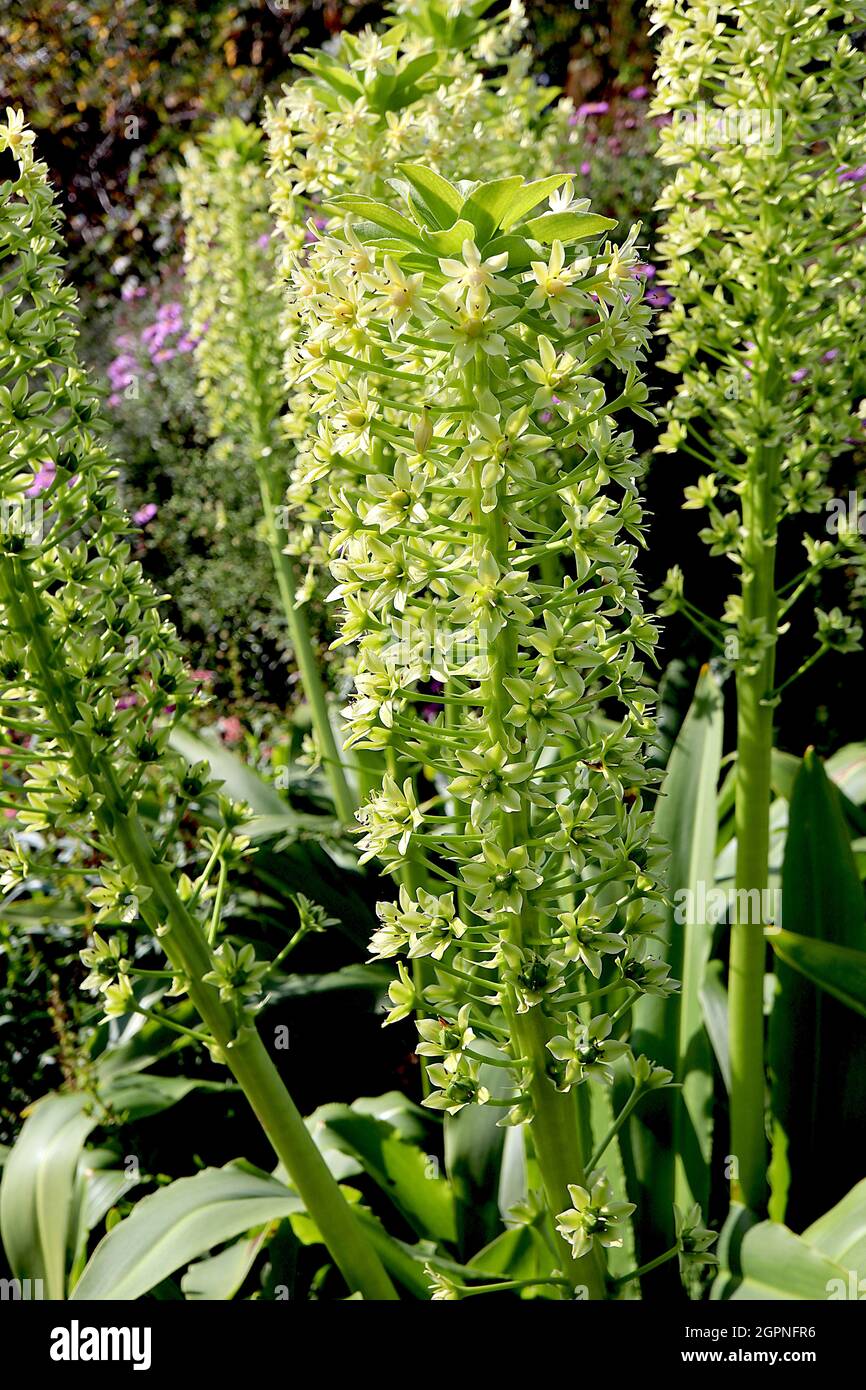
pixel 659 298
pixel 264 240
pixel 857 175
pixel 592 108
pixel 132 290
pixel 43 479
pixel 145 514
pixel 800 374
pixel 126 701
pixel 586 168
pixel 187 344
pixel 121 371
pixel 646 271
pixel 164 355
pixel 638 93
pixel 831 355
pixel 153 334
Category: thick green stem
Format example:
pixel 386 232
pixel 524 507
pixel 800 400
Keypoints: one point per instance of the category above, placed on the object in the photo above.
pixel 761 513
pixel 554 1128
pixel 558 1151
pixel 748 946
pixel 189 954
pixel 305 657
pixel 752 816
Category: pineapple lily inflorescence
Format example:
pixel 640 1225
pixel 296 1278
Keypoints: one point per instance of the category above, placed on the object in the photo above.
pixel 419 91
pixel 229 256
pixel 765 252
pixel 485 522
pixel 92 682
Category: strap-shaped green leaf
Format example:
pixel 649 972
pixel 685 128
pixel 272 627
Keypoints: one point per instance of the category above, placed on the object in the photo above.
pixel 438 195
pixel 566 226
pixel 530 195
pixel 488 204
pixel 177 1224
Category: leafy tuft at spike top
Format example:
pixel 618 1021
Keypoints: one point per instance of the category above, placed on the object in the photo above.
pixel 420 91
pixel 81 628
pixel 460 397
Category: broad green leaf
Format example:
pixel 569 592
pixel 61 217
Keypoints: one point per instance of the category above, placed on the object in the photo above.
pixel 528 197
pixel 847 767
pixel 487 204
pixel 321 65
pixel 566 226
pixel 672 1130
pixel 402 1170
pixel 98 1188
pixel 220 1277
pixel 450 241
pixel 240 781
pixel 518 1253
pixel 178 1224
pixel 714 1003
pixel 405 1263
pixel 142 1093
pixel 440 196
pixel 836 969
pixel 841 1232
pixel 520 254
pixel 513 1170
pixel 817 1046
pixel 104 1188
pixel 783 772
pixel 772 1264
pixel 382 215
pixel 411 1122
pixel 39 1189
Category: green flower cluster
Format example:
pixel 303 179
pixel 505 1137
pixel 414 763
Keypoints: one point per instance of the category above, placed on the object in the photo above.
pixel 236 315
pixel 91 682
pixel 765 251
pixel 484 557
pixel 229 265
pixel 92 678
pixel 765 245
pixel 417 92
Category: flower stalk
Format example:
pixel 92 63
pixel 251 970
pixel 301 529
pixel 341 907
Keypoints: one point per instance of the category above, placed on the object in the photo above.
pixel 230 268
pixel 87 657
pixel 763 252
pixel 474 295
